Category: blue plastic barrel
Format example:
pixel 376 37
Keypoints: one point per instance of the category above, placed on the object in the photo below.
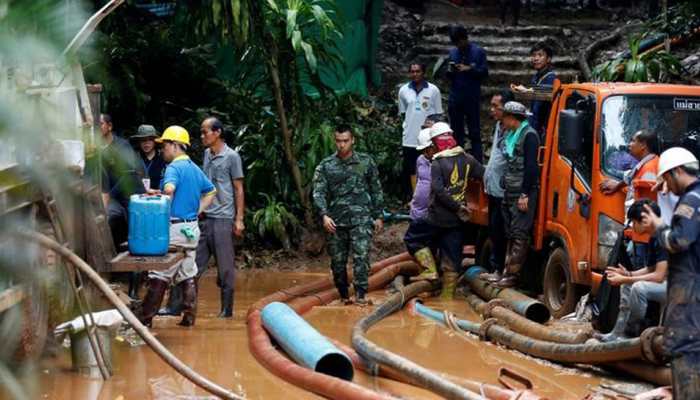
pixel 149 225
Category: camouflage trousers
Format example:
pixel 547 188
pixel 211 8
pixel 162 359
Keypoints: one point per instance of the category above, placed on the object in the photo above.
pixel 355 240
pixel 685 376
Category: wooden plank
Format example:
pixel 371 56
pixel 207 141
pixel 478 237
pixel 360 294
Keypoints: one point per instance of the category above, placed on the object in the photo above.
pixel 10 297
pixel 125 262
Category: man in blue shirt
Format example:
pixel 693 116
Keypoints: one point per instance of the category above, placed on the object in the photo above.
pixel 467 68
pixel 191 193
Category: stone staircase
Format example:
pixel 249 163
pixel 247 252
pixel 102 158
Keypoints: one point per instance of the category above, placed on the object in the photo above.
pixel 508 52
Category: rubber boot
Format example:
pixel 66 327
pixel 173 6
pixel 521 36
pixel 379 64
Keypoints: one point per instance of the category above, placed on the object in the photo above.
pixel 514 263
pixel 189 302
pixel 226 303
pixel 174 306
pixel 151 303
pixel 426 260
pixel 449 282
pixel 618 331
pixel 134 285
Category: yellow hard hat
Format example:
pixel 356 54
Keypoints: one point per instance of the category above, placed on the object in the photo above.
pixel 175 133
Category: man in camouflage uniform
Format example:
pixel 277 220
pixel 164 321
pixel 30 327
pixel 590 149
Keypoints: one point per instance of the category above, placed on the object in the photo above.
pixel 348 197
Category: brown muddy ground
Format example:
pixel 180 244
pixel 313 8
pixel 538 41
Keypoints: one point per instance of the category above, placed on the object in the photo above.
pixel 219 350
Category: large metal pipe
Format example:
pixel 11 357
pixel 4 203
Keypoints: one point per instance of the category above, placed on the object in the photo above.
pixel 526 306
pixel 423 376
pixel 593 353
pixel 304 343
pixel 498 309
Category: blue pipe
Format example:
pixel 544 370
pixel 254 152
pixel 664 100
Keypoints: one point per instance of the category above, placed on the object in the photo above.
pixel 465 325
pixel 304 343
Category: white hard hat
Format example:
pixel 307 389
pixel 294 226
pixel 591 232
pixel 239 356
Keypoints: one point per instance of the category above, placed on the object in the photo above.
pixel 439 128
pixel 424 139
pixel 675 157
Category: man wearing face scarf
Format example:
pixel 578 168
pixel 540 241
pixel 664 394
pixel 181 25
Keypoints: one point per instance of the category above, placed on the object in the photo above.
pixel 450 169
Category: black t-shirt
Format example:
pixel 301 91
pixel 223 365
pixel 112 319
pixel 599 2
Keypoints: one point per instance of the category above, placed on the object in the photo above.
pixel 154 169
pixel 655 253
pixel 122 171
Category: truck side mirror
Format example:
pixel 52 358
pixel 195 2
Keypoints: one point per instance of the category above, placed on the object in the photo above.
pixel 572 127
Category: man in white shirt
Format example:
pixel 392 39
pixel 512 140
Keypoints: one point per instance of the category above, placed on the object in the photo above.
pixel 418 99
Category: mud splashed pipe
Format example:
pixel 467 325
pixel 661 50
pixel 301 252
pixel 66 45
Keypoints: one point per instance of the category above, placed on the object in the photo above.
pixel 595 353
pixel 528 307
pixel 182 368
pixel 422 376
pixel 497 308
pixel 286 295
pixel 491 392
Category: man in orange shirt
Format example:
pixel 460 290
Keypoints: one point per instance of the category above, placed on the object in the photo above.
pixel 639 182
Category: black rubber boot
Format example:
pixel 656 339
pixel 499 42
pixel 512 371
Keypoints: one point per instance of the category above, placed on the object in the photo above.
pixel 226 304
pixel 151 303
pixel 174 306
pixel 189 302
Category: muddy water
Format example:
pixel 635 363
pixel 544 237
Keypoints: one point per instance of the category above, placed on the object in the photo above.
pixel 219 350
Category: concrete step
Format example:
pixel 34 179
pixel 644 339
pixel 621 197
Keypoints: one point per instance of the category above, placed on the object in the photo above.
pixel 484 41
pixel 508 76
pixel 498 30
pixel 506 61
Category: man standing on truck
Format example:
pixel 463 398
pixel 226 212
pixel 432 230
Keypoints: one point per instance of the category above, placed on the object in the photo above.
pixel 450 171
pixel 493 186
pixel 348 196
pixel 679 169
pixel 521 180
pixel 643 147
pixel 191 193
pixel 541 58
pixel 467 68
pixel 640 286
pixel 418 99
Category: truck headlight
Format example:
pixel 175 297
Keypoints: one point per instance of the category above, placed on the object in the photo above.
pixel 608 230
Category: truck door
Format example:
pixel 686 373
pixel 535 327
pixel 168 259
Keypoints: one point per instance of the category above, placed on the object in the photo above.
pixel 566 191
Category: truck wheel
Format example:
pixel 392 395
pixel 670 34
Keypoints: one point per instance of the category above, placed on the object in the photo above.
pixel 560 293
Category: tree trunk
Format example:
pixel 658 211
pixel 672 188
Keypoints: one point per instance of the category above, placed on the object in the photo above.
pixel 287 135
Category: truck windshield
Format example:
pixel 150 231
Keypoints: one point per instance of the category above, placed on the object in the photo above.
pixel 676 120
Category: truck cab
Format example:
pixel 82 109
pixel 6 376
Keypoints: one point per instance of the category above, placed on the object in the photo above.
pixel 589 127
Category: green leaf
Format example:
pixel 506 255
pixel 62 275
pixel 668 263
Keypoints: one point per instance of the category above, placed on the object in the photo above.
pixel 635 71
pixel 291 22
pixel 273 5
pixel 296 40
pixel 310 56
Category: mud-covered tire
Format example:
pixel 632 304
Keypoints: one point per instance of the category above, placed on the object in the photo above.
pixel 560 293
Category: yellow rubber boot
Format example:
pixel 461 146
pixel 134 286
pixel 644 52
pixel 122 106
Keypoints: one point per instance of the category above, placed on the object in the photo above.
pixel 449 282
pixel 427 262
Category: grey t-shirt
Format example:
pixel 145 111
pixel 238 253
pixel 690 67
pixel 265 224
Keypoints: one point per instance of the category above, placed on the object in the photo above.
pixel 222 169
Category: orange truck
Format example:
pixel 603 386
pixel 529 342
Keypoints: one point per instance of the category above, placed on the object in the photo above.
pixel 576 225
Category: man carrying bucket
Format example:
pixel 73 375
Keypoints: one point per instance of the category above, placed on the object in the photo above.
pixel 191 192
